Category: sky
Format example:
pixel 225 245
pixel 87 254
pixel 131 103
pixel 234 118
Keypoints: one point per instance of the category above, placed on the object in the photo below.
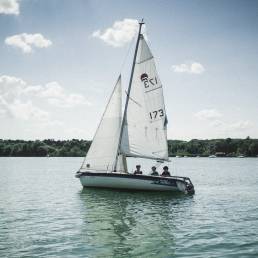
pixel 60 59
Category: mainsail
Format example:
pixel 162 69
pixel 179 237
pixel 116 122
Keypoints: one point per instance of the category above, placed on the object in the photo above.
pixel 103 150
pixel 144 132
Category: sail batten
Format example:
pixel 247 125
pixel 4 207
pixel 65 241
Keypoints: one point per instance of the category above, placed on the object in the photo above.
pixel 145 60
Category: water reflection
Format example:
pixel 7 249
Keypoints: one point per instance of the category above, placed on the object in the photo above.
pixel 122 223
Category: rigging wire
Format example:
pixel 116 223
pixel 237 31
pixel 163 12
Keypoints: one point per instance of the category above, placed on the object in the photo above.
pixel 127 54
pixel 144 32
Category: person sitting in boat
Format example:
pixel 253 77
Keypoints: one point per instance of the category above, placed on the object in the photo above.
pixel 138 170
pixel 154 172
pixel 165 171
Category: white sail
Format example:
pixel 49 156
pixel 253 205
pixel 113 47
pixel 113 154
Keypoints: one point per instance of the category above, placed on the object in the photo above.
pixel 144 132
pixel 121 164
pixel 103 149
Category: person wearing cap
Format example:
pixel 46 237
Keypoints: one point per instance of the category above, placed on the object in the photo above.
pixel 165 171
pixel 154 172
pixel 138 170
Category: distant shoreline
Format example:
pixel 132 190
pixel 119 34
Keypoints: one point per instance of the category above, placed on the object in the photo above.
pixel 78 148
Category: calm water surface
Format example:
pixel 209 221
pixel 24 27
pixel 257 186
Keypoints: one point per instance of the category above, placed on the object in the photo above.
pixel 45 213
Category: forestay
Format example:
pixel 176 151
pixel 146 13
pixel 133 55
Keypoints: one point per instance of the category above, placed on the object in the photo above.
pixel 103 150
pixel 144 132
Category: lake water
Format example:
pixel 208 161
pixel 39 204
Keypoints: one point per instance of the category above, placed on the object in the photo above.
pixel 45 213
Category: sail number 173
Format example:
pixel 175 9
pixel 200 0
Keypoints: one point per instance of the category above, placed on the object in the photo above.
pixel 156 114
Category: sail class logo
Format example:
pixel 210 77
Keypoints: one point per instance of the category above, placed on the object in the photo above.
pixel 144 76
pixel 148 81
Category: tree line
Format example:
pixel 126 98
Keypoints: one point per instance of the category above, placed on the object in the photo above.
pixel 77 148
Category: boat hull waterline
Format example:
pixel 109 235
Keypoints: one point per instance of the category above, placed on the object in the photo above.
pixel 135 182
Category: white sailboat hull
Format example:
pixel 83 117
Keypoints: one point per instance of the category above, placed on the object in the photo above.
pixel 134 182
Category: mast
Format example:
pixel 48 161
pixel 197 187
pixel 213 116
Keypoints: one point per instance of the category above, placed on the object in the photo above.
pixel 128 91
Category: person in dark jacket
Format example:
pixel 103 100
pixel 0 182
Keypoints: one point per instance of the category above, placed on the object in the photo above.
pixel 138 170
pixel 165 171
pixel 154 172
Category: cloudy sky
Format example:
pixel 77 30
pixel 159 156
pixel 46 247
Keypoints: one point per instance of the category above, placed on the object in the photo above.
pixel 59 60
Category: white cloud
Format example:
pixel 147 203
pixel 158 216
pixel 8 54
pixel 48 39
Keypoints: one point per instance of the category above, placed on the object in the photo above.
pixel 191 68
pixel 32 111
pixel 216 123
pixel 213 117
pixel 11 87
pixel 9 7
pixel 57 96
pixel 22 110
pixel 12 103
pixel 20 100
pixel 27 111
pixel 238 126
pixel 119 34
pixel 208 114
pixel 232 127
pixel 5 79
pixel 52 90
pixel 26 42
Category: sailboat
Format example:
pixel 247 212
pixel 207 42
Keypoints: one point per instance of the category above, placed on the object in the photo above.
pixel 140 132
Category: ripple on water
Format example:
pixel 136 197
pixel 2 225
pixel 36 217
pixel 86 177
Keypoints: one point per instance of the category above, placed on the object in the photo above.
pixel 45 213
